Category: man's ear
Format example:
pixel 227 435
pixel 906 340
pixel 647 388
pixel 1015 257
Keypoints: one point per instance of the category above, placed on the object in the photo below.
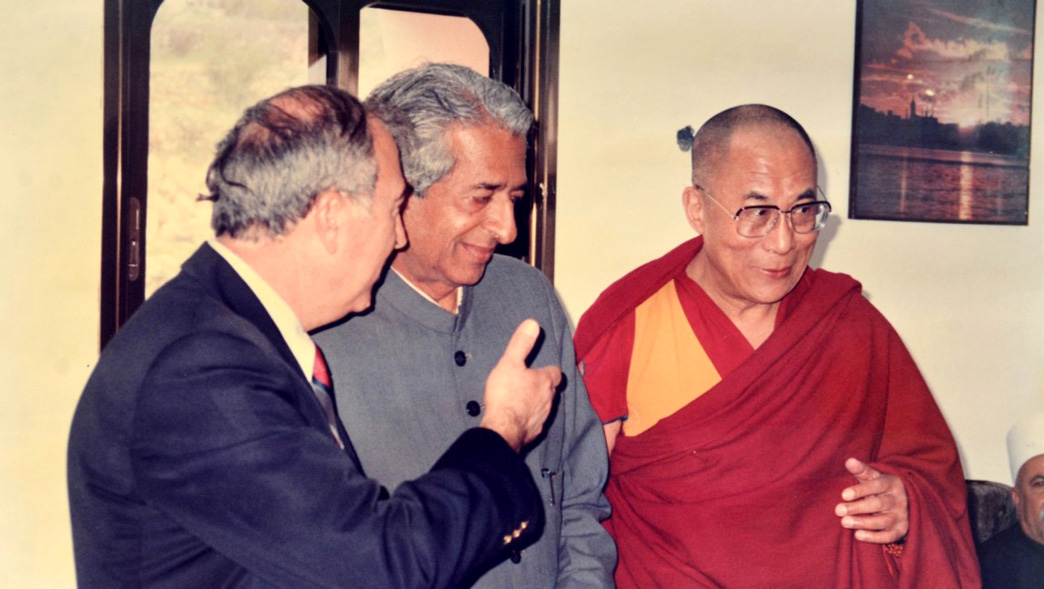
pixel 693 205
pixel 328 218
pixel 1015 498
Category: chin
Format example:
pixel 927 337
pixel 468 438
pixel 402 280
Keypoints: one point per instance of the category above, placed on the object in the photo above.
pixel 360 305
pixel 779 290
pixel 771 296
pixel 468 276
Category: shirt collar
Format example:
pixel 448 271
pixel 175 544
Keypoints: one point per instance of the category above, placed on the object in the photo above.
pixel 286 321
pixel 460 291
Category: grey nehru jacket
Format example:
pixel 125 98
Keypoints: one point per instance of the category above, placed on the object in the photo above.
pixel 409 377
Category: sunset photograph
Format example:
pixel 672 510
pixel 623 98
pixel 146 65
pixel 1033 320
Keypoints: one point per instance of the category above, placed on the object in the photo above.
pixel 942 111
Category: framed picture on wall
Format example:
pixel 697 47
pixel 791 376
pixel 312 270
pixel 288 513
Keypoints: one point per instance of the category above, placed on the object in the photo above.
pixel 941 114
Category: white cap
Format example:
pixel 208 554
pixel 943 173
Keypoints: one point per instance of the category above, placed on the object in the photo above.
pixel 1025 440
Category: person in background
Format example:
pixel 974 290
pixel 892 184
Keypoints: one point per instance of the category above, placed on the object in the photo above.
pixel 767 427
pixel 410 372
pixel 206 450
pixel 1014 558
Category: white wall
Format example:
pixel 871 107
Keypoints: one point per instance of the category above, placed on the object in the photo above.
pixel 50 171
pixel 967 300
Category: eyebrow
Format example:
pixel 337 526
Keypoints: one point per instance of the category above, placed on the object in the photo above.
pixel 809 194
pixel 495 186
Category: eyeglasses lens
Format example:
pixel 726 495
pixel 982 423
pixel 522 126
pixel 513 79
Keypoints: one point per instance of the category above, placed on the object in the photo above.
pixel 759 221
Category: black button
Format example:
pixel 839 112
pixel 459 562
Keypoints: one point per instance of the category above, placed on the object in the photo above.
pixel 516 556
pixel 473 408
pixel 460 358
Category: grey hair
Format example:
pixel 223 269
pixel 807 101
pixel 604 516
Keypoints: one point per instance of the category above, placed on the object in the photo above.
pixel 711 142
pixel 430 100
pixel 285 151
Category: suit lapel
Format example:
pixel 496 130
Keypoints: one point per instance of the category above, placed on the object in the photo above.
pixel 207 266
pixel 214 272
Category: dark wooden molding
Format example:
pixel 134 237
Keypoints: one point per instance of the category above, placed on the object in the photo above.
pixel 125 159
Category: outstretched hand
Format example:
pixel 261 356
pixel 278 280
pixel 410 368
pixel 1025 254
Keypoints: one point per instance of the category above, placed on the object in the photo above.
pixel 877 507
pixel 518 399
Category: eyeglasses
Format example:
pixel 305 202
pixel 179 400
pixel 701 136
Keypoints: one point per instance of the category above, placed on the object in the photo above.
pixel 760 220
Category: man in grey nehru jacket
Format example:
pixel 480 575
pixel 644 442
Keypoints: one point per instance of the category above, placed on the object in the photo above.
pixel 409 375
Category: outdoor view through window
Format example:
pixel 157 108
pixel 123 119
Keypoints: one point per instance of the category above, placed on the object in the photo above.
pixel 210 60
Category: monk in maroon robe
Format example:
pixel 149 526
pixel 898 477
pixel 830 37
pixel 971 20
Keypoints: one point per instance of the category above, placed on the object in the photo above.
pixel 767 427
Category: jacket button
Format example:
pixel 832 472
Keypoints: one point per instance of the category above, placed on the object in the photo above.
pixel 460 358
pixel 473 408
pixel 516 556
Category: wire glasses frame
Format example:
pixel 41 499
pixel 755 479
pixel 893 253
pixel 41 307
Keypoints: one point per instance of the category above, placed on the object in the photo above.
pixel 760 220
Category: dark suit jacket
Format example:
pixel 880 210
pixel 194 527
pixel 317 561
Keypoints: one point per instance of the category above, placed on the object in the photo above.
pixel 199 457
pixel 1012 560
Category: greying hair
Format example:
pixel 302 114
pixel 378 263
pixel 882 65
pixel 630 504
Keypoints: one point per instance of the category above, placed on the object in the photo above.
pixel 283 153
pixel 712 140
pixel 430 100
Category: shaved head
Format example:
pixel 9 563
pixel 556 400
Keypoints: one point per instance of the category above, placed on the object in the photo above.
pixel 712 141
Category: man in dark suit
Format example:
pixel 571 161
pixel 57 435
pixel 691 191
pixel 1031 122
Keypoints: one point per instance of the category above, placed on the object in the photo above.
pixel 206 451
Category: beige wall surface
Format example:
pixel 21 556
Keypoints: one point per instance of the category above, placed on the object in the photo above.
pixel 50 168
pixel 967 300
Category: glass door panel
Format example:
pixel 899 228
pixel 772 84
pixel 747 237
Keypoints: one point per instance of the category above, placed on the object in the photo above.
pixel 394 40
pixel 210 60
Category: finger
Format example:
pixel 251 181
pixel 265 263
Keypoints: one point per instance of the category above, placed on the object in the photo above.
pixel 876 486
pixel 861 470
pixel 868 505
pixel 880 537
pixel 521 342
pixel 872 523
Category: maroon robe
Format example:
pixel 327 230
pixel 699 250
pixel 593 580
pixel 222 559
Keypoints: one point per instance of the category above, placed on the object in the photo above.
pixel 738 488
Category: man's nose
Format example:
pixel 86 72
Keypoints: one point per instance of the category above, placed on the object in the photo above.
pixel 781 238
pixel 500 220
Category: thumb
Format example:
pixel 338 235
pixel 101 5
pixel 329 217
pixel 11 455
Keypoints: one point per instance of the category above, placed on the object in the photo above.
pixel 521 342
pixel 860 470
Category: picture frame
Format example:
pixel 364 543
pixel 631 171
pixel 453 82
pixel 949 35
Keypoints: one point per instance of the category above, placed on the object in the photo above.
pixel 941 111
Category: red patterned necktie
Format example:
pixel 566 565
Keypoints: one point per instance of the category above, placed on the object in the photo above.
pixel 323 389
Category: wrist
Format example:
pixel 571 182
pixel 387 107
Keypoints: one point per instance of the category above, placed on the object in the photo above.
pixel 507 429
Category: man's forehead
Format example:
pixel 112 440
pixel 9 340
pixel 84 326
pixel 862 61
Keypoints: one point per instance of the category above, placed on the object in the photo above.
pixel 467 136
pixel 386 154
pixel 377 126
pixel 484 148
pixel 1033 467
pixel 769 136
pixel 382 138
pixel 757 155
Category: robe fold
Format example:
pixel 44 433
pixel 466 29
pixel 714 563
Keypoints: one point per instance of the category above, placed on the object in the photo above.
pixel 738 488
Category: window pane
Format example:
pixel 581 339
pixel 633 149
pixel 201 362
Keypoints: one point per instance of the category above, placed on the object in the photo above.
pixel 393 40
pixel 210 60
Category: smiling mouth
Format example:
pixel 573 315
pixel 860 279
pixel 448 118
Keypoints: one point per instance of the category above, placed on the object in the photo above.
pixel 479 254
